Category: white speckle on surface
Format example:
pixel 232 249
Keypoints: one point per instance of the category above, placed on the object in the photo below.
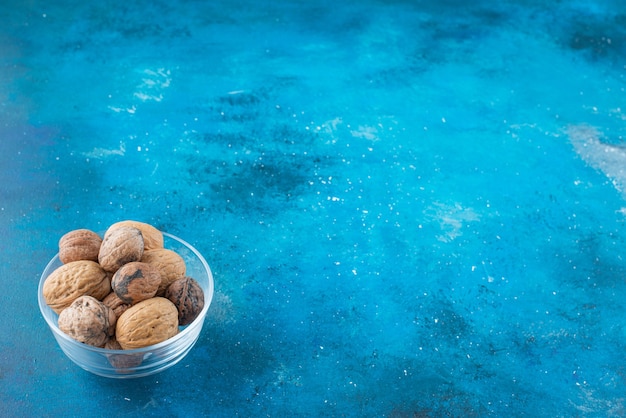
pixel 101 153
pixel 451 219
pixel 608 159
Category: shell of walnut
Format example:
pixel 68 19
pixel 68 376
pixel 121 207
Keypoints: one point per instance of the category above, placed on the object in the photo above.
pixel 115 303
pixel 120 245
pixel 169 263
pixel 122 362
pixel 72 280
pixel 80 244
pixel 188 297
pixel 88 321
pixel 136 281
pixel 152 237
pixel 148 322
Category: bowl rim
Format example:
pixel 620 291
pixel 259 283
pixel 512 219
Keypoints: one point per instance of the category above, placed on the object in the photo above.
pixel 208 297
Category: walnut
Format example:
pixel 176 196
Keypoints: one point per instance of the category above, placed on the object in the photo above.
pixel 72 280
pixel 80 244
pixel 115 303
pixel 188 297
pixel 123 363
pixel 120 246
pixel 136 281
pixel 170 264
pixel 88 321
pixel 152 237
pixel 149 322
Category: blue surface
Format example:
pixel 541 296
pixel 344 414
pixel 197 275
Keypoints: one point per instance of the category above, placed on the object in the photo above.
pixel 411 208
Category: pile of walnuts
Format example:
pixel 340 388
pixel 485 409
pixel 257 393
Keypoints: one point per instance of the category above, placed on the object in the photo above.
pixel 122 291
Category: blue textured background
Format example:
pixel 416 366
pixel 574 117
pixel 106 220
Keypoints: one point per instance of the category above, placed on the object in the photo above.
pixel 411 208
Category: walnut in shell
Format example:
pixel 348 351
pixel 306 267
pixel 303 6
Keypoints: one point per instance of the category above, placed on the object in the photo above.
pixel 88 321
pixel 80 244
pixel 115 303
pixel 120 245
pixel 136 281
pixel 149 322
pixel 152 237
pixel 188 297
pixel 169 263
pixel 72 280
pixel 124 363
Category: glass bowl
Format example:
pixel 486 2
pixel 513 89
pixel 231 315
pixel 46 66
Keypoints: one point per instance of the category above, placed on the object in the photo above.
pixel 124 364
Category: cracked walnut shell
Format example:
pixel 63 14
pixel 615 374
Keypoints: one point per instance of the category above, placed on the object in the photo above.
pixel 149 322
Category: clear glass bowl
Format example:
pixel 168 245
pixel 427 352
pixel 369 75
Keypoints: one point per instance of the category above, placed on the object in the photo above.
pixel 124 364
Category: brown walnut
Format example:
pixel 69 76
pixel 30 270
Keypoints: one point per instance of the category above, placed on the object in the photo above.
pixel 120 246
pixel 152 237
pixel 80 244
pixel 169 263
pixel 123 363
pixel 188 297
pixel 148 322
pixel 72 280
pixel 89 321
pixel 136 281
pixel 115 303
